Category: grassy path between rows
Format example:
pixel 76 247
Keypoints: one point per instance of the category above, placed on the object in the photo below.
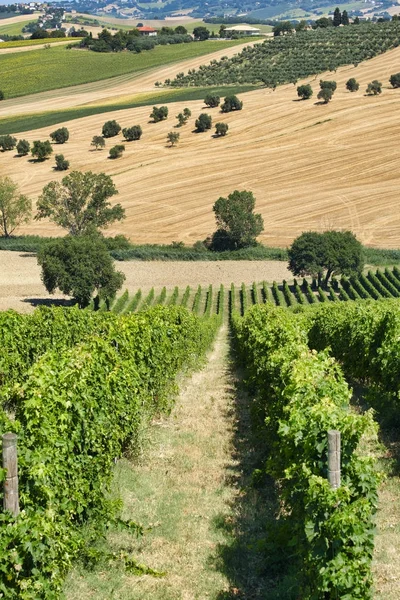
pixel 191 486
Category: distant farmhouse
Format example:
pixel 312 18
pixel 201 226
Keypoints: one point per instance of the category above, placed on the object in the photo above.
pixel 148 31
pixel 244 30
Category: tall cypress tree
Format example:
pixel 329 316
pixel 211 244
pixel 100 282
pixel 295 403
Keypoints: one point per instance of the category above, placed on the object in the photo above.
pixel 345 18
pixel 337 17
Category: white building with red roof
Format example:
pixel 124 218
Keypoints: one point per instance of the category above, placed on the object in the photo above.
pixel 147 31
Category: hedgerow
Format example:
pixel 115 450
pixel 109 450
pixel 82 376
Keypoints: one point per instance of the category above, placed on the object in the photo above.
pixel 302 394
pixel 75 412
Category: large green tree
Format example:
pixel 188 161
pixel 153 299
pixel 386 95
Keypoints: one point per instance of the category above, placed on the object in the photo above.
pixel 325 254
pixel 79 267
pixel 238 224
pixel 80 202
pixel 15 208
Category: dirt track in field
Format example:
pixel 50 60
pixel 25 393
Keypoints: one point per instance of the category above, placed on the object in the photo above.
pixel 21 286
pixel 310 166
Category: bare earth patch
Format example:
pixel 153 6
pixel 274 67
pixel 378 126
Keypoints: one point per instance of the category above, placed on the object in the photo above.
pixel 20 282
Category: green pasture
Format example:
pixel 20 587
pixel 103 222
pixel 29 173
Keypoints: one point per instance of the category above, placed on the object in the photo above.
pixel 47 69
pixel 15 28
pixel 22 43
pixel 28 122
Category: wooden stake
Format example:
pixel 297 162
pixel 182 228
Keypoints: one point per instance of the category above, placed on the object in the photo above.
pixel 11 499
pixel 334 458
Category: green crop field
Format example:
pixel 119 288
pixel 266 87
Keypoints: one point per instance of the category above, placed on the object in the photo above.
pixel 22 43
pixel 47 69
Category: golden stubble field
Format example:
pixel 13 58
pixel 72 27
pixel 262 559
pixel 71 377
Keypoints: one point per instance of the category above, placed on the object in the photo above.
pixel 310 166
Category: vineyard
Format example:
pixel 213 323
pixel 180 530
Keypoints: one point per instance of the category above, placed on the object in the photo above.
pixel 208 300
pixel 286 59
pixel 77 387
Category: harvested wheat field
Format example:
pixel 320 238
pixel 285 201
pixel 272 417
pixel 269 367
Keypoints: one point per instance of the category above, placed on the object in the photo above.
pixel 21 287
pixel 310 166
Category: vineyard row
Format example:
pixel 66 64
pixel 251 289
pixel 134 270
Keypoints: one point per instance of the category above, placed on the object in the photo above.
pixel 210 300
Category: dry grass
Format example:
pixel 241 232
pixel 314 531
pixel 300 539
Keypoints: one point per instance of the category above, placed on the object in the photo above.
pixel 310 166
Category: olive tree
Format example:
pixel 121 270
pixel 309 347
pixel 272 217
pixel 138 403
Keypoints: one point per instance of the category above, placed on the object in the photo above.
pixel 203 123
pixel 60 136
pixel 221 129
pixel 79 203
pixel 23 147
pixel 159 113
pixel 132 133
pixel 41 150
pixel 374 88
pixel 116 151
pixel 305 91
pixel 231 103
pixel 212 101
pixel 395 80
pixel 98 142
pixel 7 142
pixel 352 85
pixel 111 129
pixel 61 163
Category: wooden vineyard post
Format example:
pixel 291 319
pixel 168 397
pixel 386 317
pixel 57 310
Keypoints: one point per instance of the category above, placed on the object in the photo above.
pixel 11 499
pixel 334 458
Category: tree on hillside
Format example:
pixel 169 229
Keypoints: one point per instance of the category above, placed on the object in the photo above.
pixel 203 123
pixel 116 151
pixel 111 129
pixel 352 85
pixel 80 202
pixel 305 91
pixel 345 18
pixel 173 137
pixel 98 142
pixel 41 150
pixel 325 94
pixel 61 163
pixel 79 266
pixel 238 225
pixel 231 103
pixel 337 17
pixel 221 129
pixel 15 208
pixel 159 113
pixel 60 136
pixel 23 147
pixel 374 88
pixel 180 30
pixel 132 133
pixel 330 85
pixel 395 80
pixel 212 101
pixel 7 142
pixel 201 33
pixel 325 254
